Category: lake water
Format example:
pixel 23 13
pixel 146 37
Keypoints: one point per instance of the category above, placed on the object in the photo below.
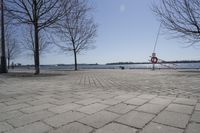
pixel 129 66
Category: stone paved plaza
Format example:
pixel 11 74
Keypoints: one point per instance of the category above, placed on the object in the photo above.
pixel 101 101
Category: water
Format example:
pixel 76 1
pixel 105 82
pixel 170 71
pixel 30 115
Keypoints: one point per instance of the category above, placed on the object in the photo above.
pixel 128 66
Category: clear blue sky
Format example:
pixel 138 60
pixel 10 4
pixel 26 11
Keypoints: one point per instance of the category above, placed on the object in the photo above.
pixel 127 32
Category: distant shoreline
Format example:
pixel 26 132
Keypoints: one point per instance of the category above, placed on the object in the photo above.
pixel 115 63
pixel 163 62
pixel 178 65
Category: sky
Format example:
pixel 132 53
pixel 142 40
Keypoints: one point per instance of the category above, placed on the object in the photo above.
pixel 127 32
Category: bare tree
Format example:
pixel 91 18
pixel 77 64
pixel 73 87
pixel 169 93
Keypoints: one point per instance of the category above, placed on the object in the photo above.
pixel 40 14
pixel 181 18
pixel 77 30
pixel 12 46
pixel 29 43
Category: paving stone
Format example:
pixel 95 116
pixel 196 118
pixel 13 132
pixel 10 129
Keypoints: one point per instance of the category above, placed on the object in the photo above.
pixel 104 96
pixel 161 101
pixel 116 128
pixel 99 119
pixel 120 92
pixel 20 101
pixel 92 108
pixel 83 96
pixel 59 91
pixel 125 97
pixel 136 101
pixel 73 128
pixel 64 101
pixel 5 127
pixel 170 97
pixel 147 96
pixel 159 128
pixel 111 101
pixel 196 116
pixel 2 105
pixel 180 108
pixel 197 107
pixel 24 97
pixel 9 115
pixel 185 101
pixel 41 101
pixel 64 108
pixel 29 118
pixel 13 107
pixel 36 108
pixel 43 96
pixel 121 108
pixel 37 127
pixel 88 101
pixel 151 108
pixel 62 96
pixel 172 119
pixel 6 99
pixel 193 128
pixel 135 119
pixel 64 118
pixel 52 101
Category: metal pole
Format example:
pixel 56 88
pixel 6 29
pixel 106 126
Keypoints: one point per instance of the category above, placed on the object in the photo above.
pixel 3 51
pixel 153 67
pixel 154 49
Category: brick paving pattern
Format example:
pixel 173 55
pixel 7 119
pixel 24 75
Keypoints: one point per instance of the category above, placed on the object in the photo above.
pixel 101 101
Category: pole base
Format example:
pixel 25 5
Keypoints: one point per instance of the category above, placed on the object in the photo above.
pixel 3 65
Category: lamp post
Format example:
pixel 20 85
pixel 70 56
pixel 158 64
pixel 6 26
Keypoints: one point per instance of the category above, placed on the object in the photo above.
pixel 3 52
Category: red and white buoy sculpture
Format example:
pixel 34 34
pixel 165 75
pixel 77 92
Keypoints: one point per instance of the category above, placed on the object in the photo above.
pixel 154 59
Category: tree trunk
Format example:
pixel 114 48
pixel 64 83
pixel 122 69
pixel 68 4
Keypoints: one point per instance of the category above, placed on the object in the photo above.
pixel 8 58
pixel 8 63
pixel 75 61
pixel 36 31
pixel 37 54
pixel 3 53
